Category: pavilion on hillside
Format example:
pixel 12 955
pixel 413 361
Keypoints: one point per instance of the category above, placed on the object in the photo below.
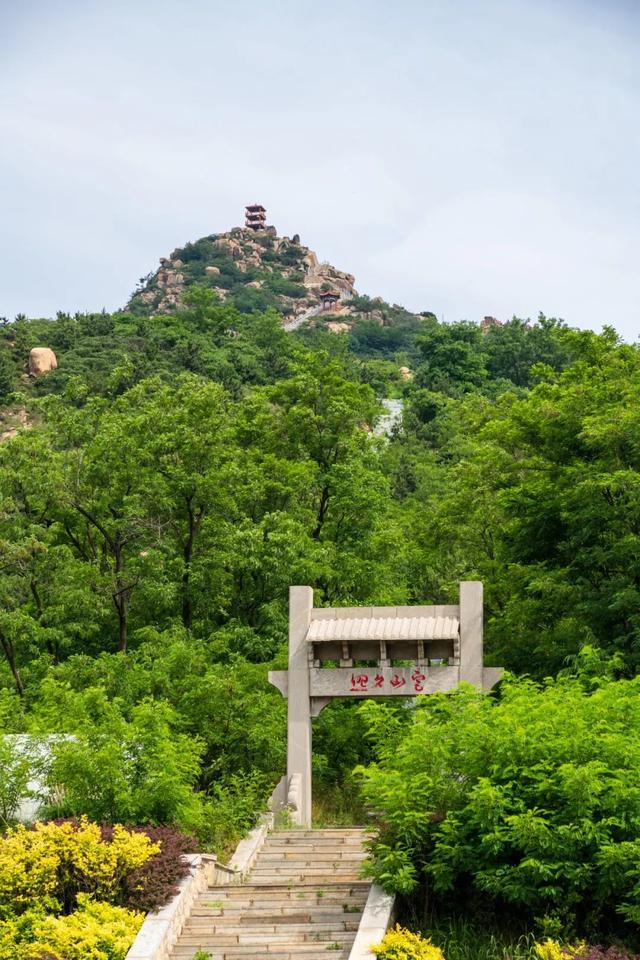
pixel 255 216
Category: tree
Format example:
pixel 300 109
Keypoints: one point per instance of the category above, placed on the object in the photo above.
pixel 538 496
pixel 526 803
pixel 453 360
pixel 7 375
pixel 514 348
pixel 184 456
pixel 48 599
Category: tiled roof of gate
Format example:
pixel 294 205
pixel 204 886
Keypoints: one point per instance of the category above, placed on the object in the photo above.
pixel 384 628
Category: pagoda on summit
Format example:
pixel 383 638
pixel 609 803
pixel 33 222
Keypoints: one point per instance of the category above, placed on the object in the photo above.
pixel 255 217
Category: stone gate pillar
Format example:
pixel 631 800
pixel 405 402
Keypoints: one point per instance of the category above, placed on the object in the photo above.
pixel 299 704
pixel 471 643
pixel 410 651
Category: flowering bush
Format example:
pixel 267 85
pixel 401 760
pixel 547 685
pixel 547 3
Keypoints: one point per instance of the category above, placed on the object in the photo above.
pixel 401 944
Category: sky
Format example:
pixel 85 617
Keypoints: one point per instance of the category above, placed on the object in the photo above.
pixel 472 158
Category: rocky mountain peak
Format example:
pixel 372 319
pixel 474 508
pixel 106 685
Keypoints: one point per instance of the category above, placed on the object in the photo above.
pixel 253 269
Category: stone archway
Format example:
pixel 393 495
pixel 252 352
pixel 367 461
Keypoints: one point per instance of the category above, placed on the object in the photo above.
pixel 435 648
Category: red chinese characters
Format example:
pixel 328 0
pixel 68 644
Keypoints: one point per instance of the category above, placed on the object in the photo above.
pixel 366 683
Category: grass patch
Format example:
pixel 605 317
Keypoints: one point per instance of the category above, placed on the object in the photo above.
pixel 336 806
pixel 459 939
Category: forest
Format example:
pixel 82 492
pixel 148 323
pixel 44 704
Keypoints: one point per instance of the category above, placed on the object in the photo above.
pixel 179 472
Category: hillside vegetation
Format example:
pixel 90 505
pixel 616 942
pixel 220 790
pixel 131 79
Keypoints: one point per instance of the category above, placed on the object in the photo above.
pixel 178 471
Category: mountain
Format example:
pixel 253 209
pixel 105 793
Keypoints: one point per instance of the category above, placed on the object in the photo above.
pixel 213 307
pixel 251 269
pixel 254 270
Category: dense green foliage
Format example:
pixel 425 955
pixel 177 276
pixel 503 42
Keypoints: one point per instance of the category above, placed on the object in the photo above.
pixel 181 471
pixel 529 802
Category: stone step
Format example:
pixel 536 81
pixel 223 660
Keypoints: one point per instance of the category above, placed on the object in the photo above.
pixel 303 900
pixel 309 854
pixel 324 873
pixel 280 891
pixel 303 879
pixel 318 843
pixel 275 951
pixel 262 893
pixel 335 833
pixel 307 866
pixel 274 933
pixel 306 859
pixel 334 868
pixel 295 922
pixel 303 837
pixel 280 906
pixel 321 856
pixel 295 881
pixel 277 911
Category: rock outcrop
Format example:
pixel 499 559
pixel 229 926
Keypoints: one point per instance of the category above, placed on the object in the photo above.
pixel 275 271
pixel 12 422
pixel 42 360
pixel 255 270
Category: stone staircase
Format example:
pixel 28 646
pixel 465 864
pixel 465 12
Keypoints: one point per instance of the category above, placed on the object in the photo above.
pixel 303 898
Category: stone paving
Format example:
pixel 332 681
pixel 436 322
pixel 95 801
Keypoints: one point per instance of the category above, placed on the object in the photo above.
pixel 303 898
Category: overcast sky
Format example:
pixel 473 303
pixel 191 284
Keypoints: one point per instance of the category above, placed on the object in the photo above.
pixel 470 157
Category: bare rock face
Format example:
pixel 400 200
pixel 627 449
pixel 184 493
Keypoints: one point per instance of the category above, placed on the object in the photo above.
pixel 229 246
pixel 12 422
pixel 42 360
pixel 259 254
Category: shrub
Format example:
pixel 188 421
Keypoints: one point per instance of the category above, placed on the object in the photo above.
pixel 129 772
pixel 95 931
pixel 154 883
pixel 233 809
pixel 55 863
pixel 528 804
pixel 56 879
pixel 552 950
pixel 401 944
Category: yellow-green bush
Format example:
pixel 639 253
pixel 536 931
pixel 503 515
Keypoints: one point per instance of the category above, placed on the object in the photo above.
pixel 53 881
pixel 95 931
pixel 49 865
pixel 401 944
pixel 552 950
